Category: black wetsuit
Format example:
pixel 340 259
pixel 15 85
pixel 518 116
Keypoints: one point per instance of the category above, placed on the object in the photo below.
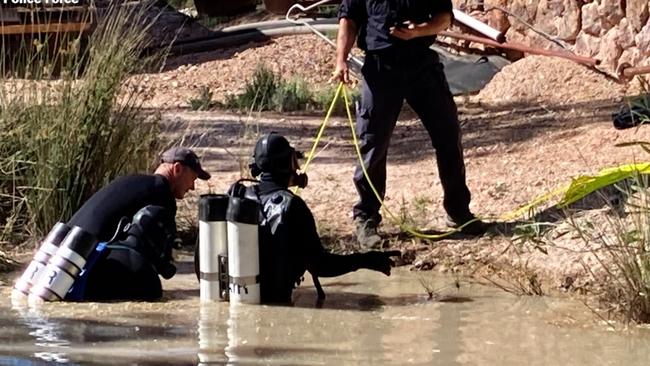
pixel 123 274
pixel 126 271
pixel 290 245
pixel 122 198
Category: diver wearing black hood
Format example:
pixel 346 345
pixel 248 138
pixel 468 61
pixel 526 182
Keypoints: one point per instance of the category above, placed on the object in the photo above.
pixel 289 241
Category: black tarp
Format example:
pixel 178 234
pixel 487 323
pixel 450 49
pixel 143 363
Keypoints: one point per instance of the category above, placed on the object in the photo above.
pixel 468 74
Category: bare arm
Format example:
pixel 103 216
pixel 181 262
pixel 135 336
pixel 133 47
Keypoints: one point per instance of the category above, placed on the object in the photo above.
pixel 344 42
pixel 437 23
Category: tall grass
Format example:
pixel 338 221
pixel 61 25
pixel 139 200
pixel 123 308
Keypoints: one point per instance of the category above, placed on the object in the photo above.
pixel 615 242
pixel 621 247
pixel 71 120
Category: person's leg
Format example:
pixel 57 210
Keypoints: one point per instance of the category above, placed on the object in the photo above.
pixel 377 112
pixel 432 100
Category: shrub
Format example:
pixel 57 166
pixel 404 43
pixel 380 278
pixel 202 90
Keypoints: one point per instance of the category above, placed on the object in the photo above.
pixel 322 100
pixel 267 91
pixel 203 100
pixel 293 95
pixel 258 93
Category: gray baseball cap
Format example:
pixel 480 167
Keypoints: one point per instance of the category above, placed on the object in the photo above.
pixel 186 157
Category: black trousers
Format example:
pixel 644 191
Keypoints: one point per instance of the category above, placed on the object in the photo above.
pixel 415 75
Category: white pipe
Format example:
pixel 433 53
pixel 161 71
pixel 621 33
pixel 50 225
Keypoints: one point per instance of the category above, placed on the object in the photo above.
pixel 479 26
pixel 241 38
pixel 269 24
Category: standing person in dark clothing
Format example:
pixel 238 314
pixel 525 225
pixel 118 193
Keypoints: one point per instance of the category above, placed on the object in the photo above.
pixel 129 269
pixel 289 241
pixel 399 65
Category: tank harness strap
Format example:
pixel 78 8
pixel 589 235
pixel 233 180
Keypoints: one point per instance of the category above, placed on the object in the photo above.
pixel 319 288
pixel 78 290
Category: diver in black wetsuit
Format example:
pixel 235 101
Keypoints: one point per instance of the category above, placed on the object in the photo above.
pixel 128 268
pixel 289 241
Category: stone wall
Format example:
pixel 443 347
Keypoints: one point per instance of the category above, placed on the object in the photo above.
pixel 613 31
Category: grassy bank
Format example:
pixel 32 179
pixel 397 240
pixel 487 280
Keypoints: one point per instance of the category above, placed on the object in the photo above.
pixel 68 122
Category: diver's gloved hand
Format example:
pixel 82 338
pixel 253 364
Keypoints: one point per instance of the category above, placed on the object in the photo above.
pixel 379 261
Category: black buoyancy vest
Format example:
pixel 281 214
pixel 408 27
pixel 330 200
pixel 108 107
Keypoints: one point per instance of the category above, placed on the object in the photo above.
pixel 281 265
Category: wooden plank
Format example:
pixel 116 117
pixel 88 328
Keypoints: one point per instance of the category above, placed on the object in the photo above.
pixel 44 28
pixel 76 8
pixel 9 15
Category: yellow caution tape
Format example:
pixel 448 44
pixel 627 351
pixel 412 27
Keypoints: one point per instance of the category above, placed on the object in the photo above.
pixel 582 186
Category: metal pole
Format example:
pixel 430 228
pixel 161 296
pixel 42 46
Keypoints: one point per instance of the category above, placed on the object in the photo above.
pixel 358 63
pixel 627 71
pixel 523 48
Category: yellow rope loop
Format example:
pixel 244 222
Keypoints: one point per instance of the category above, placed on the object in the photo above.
pixel 312 152
pixel 404 227
pixel 579 188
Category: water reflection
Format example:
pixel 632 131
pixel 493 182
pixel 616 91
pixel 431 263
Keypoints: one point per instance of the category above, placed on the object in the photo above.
pixel 242 330
pixel 451 322
pixel 47 333
pixel 366 319
pixel 212 334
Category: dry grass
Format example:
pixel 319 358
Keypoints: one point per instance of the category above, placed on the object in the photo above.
pixel 67 127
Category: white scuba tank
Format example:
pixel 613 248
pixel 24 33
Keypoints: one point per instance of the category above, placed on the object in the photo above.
pixel 243 250
pixel 64 267
pixel 35 268
pixel 213 247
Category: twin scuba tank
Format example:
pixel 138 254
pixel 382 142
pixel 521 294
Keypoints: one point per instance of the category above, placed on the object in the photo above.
pixel 228 250
pixel 229 264
pixel 56 265
pixel 67 251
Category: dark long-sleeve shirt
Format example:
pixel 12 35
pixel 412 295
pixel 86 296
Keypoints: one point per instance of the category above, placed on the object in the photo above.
pixel 123 197
pixel 374 18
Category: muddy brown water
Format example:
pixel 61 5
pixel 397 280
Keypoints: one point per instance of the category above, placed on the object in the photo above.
pixel 366 319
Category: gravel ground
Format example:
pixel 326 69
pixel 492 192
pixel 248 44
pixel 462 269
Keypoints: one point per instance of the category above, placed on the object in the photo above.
pixel 226 71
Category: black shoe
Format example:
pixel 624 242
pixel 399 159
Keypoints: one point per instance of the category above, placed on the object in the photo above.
pixel 468 225
pixel 367 236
